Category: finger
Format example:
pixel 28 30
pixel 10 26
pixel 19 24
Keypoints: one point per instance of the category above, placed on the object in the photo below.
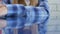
pixel 3 23
pixel 3 10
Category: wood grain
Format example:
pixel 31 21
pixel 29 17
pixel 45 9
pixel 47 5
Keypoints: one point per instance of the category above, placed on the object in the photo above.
pixel 32 2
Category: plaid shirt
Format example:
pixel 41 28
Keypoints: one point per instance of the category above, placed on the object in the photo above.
pixel 43 26
pixel 45 10
pixel 25 16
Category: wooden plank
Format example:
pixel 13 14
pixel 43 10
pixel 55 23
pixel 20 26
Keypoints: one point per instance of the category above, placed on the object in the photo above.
pixel 0 31
pixel 15 2
pixel 15 31
pixel 34 29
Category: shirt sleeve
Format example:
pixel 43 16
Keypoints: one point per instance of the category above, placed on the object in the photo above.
pixel 7 1
pixel 25 16
pixel 44 3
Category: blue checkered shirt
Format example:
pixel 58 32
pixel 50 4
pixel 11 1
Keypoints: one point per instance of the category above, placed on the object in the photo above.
pixel 40 19
pixel 25 15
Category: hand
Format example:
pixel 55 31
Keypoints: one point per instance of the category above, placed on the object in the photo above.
pixel 3 10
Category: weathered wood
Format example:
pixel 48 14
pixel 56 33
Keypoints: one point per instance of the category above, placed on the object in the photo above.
pixel 14 1
pixel 32 2
pixel 34 29
pixel 0 31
